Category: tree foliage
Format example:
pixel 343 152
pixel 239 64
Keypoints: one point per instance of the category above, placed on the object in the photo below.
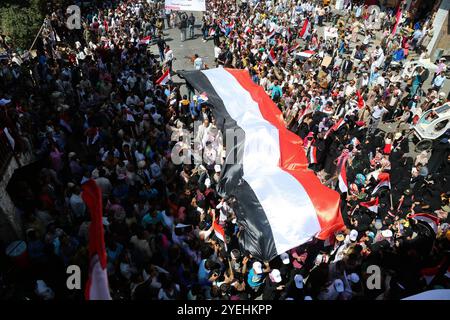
pixel 20 21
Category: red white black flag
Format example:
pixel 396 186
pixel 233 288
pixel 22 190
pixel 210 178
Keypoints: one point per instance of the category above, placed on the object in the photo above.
pixel 282 204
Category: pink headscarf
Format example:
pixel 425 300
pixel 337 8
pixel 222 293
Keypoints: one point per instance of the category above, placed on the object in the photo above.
pixel 343 157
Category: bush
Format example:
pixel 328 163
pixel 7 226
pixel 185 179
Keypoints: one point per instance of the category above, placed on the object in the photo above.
pixel 21 21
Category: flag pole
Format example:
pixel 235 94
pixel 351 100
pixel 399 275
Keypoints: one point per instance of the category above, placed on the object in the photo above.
pixel 40 30
pixel 390 196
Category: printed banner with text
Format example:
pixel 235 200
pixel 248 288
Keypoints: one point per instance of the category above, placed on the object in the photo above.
pixel 186 5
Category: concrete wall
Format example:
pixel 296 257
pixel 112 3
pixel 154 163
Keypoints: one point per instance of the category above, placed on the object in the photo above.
pixel 443 42
pixel 440 26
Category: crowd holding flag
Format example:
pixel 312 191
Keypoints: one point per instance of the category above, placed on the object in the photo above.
pixel 164 78
pixel 306 30
pixel 383 182
pixel 97 287
pixel 372 205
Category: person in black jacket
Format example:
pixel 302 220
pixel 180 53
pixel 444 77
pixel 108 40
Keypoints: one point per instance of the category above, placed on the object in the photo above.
pixel 183 26
pixel 161 47
pixel 191 25
pixel 273 287
pixel 347 66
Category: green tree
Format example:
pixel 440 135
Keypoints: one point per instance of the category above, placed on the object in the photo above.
pixel 21 20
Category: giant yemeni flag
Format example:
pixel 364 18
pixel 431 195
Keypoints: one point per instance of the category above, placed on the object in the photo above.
pixel 97 287
pixel 306 30
pixel 280 202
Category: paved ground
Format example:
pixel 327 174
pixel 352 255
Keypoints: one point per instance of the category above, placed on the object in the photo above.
pixel 186 49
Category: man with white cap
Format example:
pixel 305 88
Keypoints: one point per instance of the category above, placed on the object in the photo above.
pixel 285 267
pixel 334 291
pixel 273 288
pixel 216 176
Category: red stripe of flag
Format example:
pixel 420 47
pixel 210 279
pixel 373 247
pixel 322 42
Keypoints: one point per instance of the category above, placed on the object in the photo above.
pixel 293 159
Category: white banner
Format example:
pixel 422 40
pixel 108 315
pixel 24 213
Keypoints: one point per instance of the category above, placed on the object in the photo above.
pixel 186 5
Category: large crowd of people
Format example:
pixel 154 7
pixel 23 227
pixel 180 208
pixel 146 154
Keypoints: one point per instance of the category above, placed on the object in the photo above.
pixel 88 105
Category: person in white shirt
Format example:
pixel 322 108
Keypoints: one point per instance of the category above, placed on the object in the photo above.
pixel 156 116
pixel 198 62
pixel 217 52
pixel 104 184
pixel 77 204
pixel 350 89
pixel 169 58
pixel 133 100
pixel 202 130
pixel 381 80
pixel 377 114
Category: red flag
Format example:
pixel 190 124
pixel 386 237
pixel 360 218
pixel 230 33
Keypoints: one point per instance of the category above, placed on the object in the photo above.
pixel 372 205
pixel 361 102
pixel 220 233
pixel 164 78
pixel 384 181
pixel 271 34
pixel 312 155
pixel 145 40
pixel 306 54
pixel 335 127
pixel 97 287
pixel 306 30
pixel 294 47
pixel 433 221
pixel 398 18
pixel 105 24
pixel 343 178
pixel 272 56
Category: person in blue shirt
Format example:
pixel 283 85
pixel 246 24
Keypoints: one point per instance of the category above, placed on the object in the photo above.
pixel 257 275
pixel 276 91
pixel 152 217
